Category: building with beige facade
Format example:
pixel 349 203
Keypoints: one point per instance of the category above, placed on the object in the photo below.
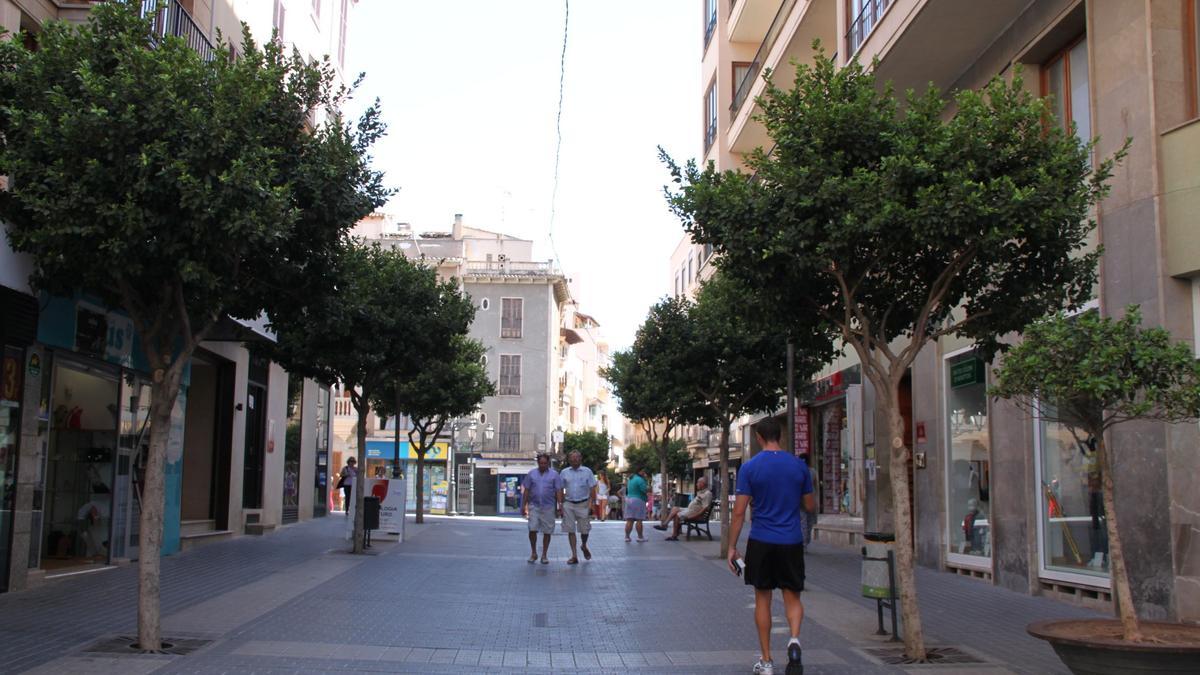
pixel 249 444
pixel 999 496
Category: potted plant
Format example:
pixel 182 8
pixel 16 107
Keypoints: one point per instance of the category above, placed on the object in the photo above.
pixel 1090 373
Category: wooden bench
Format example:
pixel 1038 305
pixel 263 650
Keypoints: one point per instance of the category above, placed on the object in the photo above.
pixel 699 524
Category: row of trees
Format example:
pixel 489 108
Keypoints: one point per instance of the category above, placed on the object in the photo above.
pixel 184 190
pixel 707 362
pixel 882 226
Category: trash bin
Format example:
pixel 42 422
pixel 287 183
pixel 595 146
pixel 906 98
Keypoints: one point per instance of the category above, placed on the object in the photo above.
pixel 876 575
pixel 879 576
pixel 370 513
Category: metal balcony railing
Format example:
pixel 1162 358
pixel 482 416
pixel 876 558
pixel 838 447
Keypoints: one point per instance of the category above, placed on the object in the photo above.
pixel 171 19
pixel 743 89
pixel 510 268
pixel 865 22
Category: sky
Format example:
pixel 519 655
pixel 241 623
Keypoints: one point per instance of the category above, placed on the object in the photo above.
pixel 470 90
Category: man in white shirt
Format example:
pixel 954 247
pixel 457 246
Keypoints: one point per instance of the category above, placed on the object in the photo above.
pixel 694 508
pixel 579 492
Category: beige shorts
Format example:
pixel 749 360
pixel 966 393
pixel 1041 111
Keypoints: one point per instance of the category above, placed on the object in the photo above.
pixel 577 516
pixel 541 519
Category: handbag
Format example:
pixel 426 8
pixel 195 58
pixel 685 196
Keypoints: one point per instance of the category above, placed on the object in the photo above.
pixel 341 484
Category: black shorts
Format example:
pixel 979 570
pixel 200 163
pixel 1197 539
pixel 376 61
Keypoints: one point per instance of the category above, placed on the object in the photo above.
pixel 771 566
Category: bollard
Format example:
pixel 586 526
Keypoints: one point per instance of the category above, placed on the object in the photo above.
pixel 879 577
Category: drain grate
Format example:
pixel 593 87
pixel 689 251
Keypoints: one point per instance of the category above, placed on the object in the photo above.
pixel 541 620
pixel 127 645
pixel 936 656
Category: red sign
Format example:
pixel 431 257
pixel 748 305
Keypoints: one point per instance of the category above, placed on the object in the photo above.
pixel 920 432
pixel 10 380
pixel 829 387
pixel 801 430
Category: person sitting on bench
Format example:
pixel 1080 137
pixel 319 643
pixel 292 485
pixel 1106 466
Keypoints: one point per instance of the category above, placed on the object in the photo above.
pixel 694 509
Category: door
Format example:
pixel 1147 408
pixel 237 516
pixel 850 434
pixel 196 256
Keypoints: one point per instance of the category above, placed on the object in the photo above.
pixel 252 478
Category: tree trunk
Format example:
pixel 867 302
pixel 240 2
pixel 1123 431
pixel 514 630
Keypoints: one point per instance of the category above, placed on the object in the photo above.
pixel 662 467
pixel 910 611
pixel 724 496
pixel 164 392
pixel 1130 627
pixel 360 478
pixel 396 439
pixel 421 483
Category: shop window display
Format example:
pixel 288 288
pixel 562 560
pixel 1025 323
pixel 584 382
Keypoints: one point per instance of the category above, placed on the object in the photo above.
pixel 1074 534
pixel 11 367
pixel 968 491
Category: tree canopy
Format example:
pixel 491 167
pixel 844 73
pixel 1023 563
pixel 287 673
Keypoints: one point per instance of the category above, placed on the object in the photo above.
pixel 593 445
pixel 894 225
pixel 646 456
pixel 177 188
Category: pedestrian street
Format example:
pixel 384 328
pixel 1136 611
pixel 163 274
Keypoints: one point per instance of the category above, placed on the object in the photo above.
pixel 458 596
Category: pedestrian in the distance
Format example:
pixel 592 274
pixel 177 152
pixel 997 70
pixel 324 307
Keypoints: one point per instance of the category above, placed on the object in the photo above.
pixel 346 482
pixel 579 491
pixel 779 485
pixel 602 496
pixel 541 501
pixel 635 503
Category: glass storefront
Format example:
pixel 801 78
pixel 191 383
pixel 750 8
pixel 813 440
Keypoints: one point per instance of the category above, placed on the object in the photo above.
pixel 968 486
pixel 1074 535
pixel 321 483
pixel 11 392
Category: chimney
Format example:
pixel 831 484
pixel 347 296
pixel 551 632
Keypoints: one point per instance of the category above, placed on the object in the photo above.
pixel 457 234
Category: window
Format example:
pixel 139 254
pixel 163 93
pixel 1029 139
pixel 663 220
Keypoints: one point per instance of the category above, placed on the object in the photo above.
pixel 1191 57
pixel 708 251
pixel 510 375
pixel 1065 78
pixel 278 19
pixel 710 20
pixel 342 33
pixel 710 116
pixel 483 360
pixel 740 70
pixel 485 304
pixel 864 16
pixel 968 473
pixel 1074 535
pixel 511 317
pixel 509 433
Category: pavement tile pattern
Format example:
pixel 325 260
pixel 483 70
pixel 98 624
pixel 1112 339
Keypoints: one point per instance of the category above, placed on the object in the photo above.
pixel 458 596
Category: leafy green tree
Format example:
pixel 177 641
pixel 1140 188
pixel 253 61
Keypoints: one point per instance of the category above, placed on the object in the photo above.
pixel 445 387
pixel 895 225
pixel 593 445
pixel 655 381
pixel 646 456
pixel 1091 373
pixel 740 350
pixel 361 331
pixel 168 186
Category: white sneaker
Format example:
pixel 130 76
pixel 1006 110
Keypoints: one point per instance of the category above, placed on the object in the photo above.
pixel 764 667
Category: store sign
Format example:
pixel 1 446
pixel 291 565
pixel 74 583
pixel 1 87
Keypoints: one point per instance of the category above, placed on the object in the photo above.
pixel 387 450
pixel 829 387
pixel 10 381
pixel 801 430
pixel 391 494
pixel 966 373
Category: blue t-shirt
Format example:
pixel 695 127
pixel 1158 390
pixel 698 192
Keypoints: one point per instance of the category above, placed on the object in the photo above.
pixel 776 483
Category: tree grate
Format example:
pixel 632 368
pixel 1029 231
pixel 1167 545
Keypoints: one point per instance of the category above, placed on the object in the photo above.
pixel 126 645
pixel 935 656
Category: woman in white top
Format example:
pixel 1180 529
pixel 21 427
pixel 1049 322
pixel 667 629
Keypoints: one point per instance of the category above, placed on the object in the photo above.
pixel 601 496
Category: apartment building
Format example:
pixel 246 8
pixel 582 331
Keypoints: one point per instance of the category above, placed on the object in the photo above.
pixel 539 353
pixel 999 496
pixel 249 445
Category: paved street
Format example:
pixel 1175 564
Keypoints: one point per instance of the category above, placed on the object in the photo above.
pixel 458 596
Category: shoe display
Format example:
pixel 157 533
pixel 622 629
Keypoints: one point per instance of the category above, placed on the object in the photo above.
pixel 764 667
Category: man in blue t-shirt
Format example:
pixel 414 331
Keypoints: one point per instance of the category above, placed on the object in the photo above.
pixel 778 485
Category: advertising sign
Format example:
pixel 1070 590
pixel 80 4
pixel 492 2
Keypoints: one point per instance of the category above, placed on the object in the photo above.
pixel 391 493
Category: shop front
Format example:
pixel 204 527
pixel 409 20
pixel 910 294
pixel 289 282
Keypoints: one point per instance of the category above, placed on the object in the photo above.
pixel 93 421
pixel 498 485
pixel 18 329
pixel 828 434
pixel 968 461
pixel 381 458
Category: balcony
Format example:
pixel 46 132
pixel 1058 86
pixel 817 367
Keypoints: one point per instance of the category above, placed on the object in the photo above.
pixel 511 268
pixel 790 36
pixel 923 41
pixel 750 19
pixel 171 19
pixel 1181 199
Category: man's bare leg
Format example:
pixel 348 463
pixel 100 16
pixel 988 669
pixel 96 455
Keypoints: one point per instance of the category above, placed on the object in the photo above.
pixel 571 541
pixel 795 611
pixel 545 546
pixel 762 621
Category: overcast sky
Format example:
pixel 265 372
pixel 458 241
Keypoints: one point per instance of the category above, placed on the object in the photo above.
pixel 470 93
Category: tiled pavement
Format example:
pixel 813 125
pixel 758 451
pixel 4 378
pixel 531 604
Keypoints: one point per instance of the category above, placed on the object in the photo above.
pixel 459 597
